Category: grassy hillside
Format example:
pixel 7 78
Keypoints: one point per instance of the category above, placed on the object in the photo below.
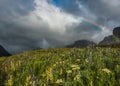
pixel 62 67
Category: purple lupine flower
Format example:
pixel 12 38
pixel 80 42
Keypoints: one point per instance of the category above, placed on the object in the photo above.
pixel 90 59
pixel 32 75
pixel 31 72
pixel 58 61
pixel 58 53
pixel 34 78
pixel 8 77
pixel 90 48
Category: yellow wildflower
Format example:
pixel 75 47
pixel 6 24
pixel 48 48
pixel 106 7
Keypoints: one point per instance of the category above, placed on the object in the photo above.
pixel 16 65
pixel 49 74
pixel 69 71
pixel 73 66
pixel 86 60
pixel 5 69
pixel 91 83
pixel 59 81
pixel 43 75
pixel 56 62
pixel 33 84
pixel 27 80
pixel 106 70
pixel 54 65
pixel 60 62
pixel 64 61
pixel 12 66
pixel 30 82
pixel 77 77
pixel 61 71
pixel 19 63
pixel 76 68
pixel 10 81
pixel 78 60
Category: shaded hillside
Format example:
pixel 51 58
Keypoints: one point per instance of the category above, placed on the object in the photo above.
pixel 3 52
pixel 81 44
pixel 109 45
pixel 109 40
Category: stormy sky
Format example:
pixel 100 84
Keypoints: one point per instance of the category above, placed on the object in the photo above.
pixel 31 24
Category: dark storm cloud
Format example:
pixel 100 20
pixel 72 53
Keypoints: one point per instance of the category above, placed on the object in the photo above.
pixel 106 11
pixel 20 38
pixel 11 9
pixel 30 24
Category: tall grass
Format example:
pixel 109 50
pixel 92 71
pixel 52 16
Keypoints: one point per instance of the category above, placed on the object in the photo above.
pixel 62 67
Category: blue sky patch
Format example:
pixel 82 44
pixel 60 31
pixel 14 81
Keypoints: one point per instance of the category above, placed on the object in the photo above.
pixel 57 2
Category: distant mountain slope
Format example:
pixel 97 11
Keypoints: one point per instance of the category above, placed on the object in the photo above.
pixel 81 44
pixel 3 52
pixel 109 40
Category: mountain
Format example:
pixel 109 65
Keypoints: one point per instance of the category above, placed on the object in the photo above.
pixel 81 44
pixel 116 32
pixel 3 52
pixel 109 40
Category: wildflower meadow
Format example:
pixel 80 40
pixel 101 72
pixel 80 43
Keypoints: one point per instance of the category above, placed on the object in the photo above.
pixel 62 67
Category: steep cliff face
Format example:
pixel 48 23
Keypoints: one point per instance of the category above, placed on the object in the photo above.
pixel 116 32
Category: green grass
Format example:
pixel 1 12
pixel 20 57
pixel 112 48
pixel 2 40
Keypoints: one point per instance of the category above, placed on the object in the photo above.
pixel 62 67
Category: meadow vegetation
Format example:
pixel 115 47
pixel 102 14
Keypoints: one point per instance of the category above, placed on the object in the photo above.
pixel 62 67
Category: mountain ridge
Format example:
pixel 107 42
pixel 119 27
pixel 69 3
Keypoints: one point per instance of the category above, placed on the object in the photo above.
pixel 81 44
pixel 111 39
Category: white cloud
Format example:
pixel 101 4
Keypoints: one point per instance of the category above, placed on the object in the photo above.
pixel 53 16
pixel 47 26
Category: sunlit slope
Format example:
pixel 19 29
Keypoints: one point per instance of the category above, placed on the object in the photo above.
pixel 62 67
